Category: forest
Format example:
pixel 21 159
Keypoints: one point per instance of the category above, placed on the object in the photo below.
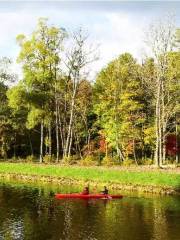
pixel 130 113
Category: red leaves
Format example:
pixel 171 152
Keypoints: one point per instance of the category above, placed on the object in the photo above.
pixel 172 148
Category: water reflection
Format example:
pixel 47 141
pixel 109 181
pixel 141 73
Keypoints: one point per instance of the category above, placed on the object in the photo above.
pixel 32 213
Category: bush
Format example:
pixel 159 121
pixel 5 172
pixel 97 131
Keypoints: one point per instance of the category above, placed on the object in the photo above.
pixel 89 160
pixel 47 159
pixel 70 160
pixel 170 161
pixel 108 161
pixel 177 164
pixel 147 161
pixel 128 162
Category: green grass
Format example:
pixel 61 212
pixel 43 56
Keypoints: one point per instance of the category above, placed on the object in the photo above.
pixel 98 174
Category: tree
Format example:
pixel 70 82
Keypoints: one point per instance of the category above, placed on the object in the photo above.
pixel 118 104
pixel 161 40
pixel 78 57
pixel 177 45
pixel 6 130
pixel 148 76
pixel 40 58
pixel 172 98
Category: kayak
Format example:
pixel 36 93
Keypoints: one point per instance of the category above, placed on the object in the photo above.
pixel 89 196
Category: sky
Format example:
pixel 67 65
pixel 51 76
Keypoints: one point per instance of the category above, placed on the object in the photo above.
pixel 115 26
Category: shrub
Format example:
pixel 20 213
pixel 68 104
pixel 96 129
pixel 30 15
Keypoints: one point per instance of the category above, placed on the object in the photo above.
pixel 177 164
pixel 47 159
pixel 70 160
pixel 108 161
pixel 128 162
pixel 148 161
pixel 170 161
pixel 89 160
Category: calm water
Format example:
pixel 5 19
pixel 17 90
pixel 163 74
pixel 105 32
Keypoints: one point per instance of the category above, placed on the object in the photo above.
pixel 31 212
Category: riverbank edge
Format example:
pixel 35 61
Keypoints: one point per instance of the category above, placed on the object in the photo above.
pixel 74 181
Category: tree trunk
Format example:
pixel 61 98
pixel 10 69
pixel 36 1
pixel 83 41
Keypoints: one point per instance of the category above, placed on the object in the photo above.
pixel 57 133
pixel 64 127
pixel 68 140
pixel 143 154
pixel 163 123
pixel 61 130
pixel 14 146
pixel 42 142
pixel 70 125
pixel 164 151
pixel 88 141
pixel 30 143
pixel 134 152
pixel 70 143
pixel 46 149
pixel 160 143
pixel 156 155
pixel 119 153
pixel 50 141
pixel 157 125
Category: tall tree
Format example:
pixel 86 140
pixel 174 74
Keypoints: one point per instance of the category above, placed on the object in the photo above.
pixel 78 57
pixel 40 58
pixel 6 129
pixel 161 40
pixel 118 105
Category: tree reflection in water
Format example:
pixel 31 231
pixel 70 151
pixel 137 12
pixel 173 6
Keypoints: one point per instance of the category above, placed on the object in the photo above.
pixel 33 213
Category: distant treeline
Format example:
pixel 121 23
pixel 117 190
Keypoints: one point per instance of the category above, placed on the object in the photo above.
pixel 130 113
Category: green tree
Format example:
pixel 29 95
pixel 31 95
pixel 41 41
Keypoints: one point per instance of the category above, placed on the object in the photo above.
pixel 6 130
pixel 40 58
pixel 118 104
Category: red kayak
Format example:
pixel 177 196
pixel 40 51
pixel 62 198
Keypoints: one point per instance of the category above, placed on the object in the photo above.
pixel 89 196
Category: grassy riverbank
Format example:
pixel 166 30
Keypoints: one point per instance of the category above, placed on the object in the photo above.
pixel 147 180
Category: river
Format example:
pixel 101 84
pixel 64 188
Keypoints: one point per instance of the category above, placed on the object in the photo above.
pixel 30 212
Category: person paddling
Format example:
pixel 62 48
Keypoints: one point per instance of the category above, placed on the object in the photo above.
pixel 85 191
pixel 105 191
